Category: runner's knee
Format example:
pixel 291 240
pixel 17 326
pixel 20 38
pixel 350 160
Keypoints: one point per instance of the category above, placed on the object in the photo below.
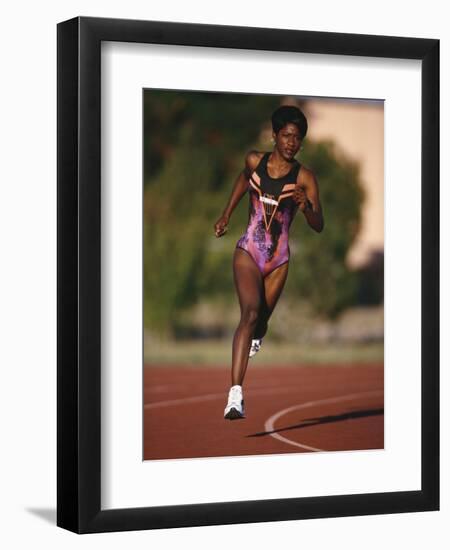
pixel 249 315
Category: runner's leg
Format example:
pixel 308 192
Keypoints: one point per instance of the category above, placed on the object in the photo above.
pixel 249 286
pixel 273 286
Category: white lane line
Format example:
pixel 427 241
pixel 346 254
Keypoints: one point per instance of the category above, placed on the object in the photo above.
pixel 212 396
pixel 269 426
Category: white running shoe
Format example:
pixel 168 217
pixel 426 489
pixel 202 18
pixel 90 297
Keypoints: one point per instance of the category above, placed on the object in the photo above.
pixel 255 347
pixel 235 405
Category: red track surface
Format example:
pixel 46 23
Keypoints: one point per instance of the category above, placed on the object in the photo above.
pixel 333 408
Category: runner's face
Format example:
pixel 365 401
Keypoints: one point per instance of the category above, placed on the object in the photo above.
pixel 288 141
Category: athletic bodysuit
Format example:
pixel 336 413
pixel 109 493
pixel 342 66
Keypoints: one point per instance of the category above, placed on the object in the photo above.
pixel 271 211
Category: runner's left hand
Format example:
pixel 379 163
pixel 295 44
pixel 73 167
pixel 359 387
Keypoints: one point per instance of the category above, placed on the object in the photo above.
pixel 300 198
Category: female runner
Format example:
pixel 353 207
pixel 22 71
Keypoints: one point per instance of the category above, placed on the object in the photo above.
pixel 278 186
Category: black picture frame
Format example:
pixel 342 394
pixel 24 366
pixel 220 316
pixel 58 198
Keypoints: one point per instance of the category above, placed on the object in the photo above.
pixel 79 275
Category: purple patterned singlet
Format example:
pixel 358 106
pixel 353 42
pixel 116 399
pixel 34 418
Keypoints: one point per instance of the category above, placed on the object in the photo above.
pixel 271 211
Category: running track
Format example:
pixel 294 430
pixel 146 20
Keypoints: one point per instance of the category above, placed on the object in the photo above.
pixel 288 410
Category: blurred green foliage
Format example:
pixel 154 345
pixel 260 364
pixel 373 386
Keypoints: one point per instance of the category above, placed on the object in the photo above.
pixel 194 148
pixel 318 273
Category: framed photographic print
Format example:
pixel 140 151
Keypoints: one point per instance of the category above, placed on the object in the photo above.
pixel 248 290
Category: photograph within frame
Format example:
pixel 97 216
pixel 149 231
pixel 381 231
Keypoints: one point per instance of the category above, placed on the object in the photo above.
pixel 327 339
pixel 79 327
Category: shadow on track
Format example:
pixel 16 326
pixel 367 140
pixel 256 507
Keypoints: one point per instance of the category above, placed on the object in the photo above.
pixel 324 420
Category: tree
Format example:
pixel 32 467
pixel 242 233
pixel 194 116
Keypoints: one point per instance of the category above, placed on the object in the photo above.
pixel 319 274
pixel 194 148
pixel 191 141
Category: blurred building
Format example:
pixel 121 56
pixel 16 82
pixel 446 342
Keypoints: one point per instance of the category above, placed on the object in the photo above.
pixel 357 128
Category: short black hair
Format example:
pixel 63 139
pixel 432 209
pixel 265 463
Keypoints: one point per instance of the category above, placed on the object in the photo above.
pixel 288 114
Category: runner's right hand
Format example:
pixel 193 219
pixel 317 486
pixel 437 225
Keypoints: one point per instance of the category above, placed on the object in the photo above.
pixel 221 226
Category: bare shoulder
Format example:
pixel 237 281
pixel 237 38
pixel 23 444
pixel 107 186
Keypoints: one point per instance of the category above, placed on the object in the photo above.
pixel 306 177
pixel 252 160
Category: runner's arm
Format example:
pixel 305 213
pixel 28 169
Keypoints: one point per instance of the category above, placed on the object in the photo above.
pixel 307 197
pixel 238 191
